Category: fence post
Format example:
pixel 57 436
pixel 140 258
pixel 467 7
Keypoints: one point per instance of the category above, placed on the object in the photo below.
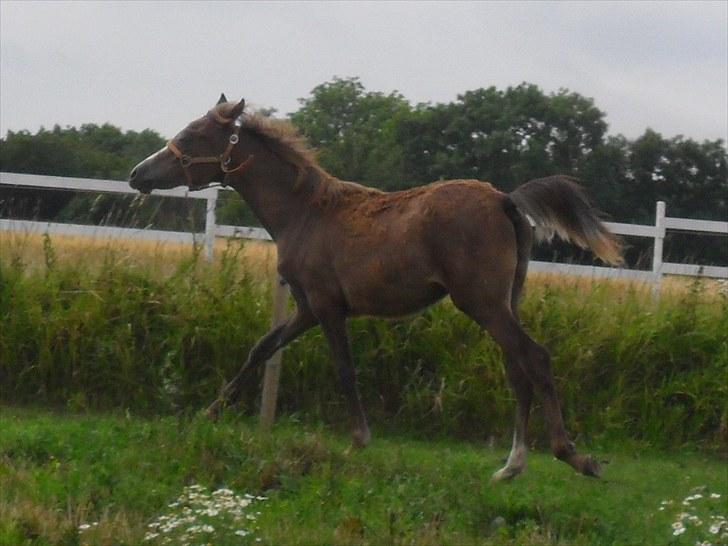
pixel 210 224
pixel 659 241
pixel 273 366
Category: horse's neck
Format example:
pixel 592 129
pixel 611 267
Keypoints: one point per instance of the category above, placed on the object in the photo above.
pixel 279 196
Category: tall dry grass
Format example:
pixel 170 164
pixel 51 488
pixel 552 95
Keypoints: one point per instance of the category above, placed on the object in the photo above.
pixel 159 257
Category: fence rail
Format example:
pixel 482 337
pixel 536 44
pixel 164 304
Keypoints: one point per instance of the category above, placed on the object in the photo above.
pixel 212 229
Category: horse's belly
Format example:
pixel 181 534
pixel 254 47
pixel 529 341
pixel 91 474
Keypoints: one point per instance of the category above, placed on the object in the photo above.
pixel 391 295
pixel 395 306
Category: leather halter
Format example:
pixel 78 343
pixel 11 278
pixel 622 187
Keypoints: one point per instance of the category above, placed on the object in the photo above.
pixel 223 159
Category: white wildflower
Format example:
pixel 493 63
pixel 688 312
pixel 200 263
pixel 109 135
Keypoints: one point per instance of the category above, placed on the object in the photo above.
pixel 197 509
pixel 223 491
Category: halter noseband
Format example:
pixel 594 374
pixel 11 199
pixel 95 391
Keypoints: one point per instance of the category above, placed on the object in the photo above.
pixel 223 159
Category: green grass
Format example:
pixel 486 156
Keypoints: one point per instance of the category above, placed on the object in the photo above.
pixel 58 472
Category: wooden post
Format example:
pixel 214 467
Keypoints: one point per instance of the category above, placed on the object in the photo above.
pixel 210 224
pixel 273 366
pixel 657 252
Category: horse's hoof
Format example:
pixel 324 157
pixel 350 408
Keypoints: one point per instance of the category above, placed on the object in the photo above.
pixel 591 467
pixel 505 474
pixel 360 438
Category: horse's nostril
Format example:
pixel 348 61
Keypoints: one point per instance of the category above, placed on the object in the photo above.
pixel 133 174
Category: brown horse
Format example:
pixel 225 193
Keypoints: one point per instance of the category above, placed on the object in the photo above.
pixel 349 250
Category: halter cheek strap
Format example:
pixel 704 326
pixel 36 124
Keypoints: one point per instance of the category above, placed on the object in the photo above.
pixel 223 159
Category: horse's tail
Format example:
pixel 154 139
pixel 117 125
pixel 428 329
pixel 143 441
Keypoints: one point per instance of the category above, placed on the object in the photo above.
pixel 558 205
pixel 524 242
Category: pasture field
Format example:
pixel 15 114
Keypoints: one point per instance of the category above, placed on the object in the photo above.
pixel 116 346
pixel 115 479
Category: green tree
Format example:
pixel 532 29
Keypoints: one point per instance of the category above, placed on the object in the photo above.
pixel 691 177
pixel 605 173
pixel 354 131
pixel 93 151
pixel 505 137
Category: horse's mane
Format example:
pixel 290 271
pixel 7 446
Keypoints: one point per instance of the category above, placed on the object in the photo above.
pixel 284 140
pixel 280 136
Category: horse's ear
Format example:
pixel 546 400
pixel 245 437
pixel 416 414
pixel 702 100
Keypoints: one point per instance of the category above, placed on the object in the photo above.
pixel 237 109
pixel 222 98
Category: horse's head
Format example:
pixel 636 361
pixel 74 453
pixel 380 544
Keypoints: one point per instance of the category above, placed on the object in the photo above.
pixel 199 155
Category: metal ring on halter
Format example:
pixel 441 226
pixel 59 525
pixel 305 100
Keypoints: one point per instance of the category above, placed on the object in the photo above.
pixel 234 139
pixel 185 161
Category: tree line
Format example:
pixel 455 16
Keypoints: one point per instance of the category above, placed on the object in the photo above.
pixel 505 136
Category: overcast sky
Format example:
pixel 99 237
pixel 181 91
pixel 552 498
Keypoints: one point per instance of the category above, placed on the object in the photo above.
pixel 159 64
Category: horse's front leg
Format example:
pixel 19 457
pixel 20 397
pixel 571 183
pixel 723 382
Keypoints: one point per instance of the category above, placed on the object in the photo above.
pixel 334 328
pixel 275 339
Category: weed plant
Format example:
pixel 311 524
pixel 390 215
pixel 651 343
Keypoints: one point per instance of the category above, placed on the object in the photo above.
pixel 123 335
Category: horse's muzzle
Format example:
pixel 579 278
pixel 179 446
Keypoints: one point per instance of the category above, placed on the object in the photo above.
pixel 136 184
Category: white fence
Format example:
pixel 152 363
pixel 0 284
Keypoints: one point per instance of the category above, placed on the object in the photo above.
pixel 212 229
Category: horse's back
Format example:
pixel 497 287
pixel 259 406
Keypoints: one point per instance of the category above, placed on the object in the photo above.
pixel 394 253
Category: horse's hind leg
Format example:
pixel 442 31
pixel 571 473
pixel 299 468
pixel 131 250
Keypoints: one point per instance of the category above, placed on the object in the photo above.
pixel 526 362
pixel 535 363
pixel 523 390
pixel 519 381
